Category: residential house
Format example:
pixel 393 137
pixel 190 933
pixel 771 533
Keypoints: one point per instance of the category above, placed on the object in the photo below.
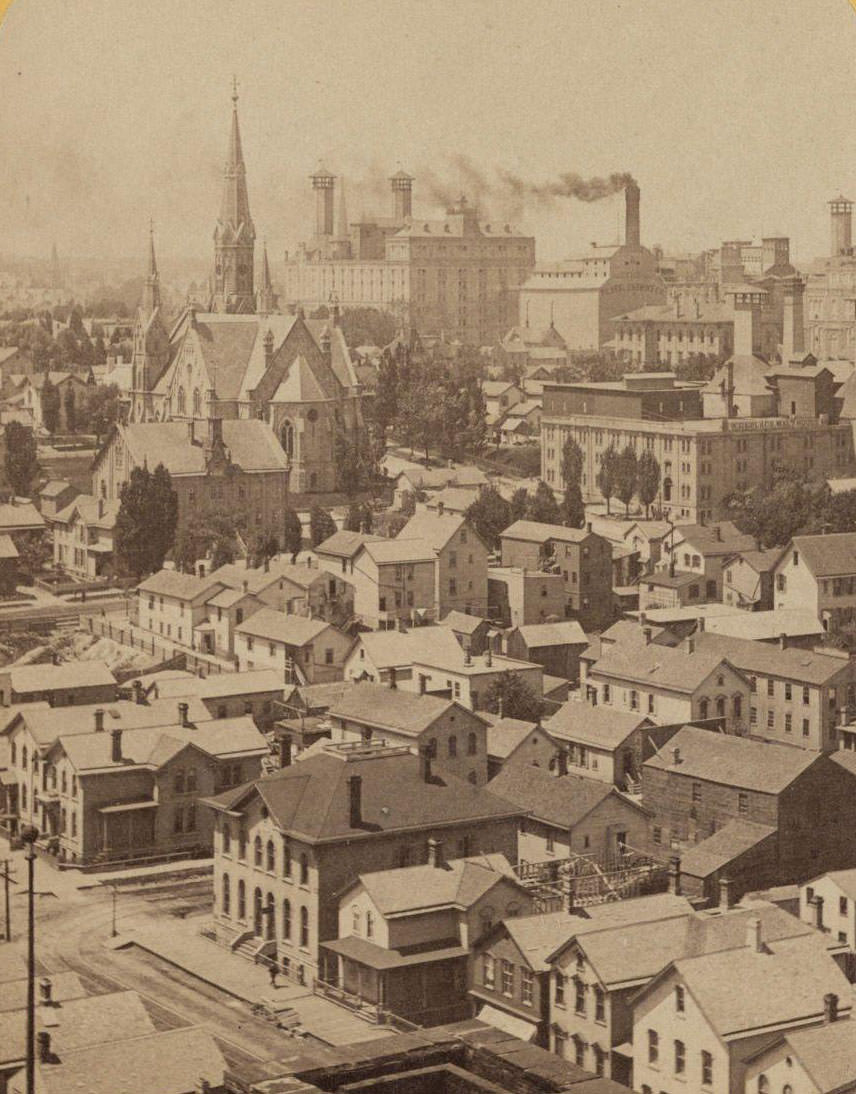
pixel 54 496
pixel 405 935
pixel 58 685
pixel 339 551
pixel 828 902
pixel 555 646
pixel 303 718
pixel 798 696
pixel 454 500
pixel 602 743
pixel 297 588
pixel 469 679
pixel 172 604
pixel 569 815
pixel 461 571
pixel 118 794
pixel 818 1059
pixel 818 573
pixel 394 579
pixel 780 626
pixel 21 520
pixel 452 736
pixel 72 393
pixel 684 1024
pixel 663 589
pixel 704 780
pixel 522 423
pixel 83 537
pixel 648 539
pixel 230 694
pixel 303 651
pixel 703 550
pixel 471 631
pixel 499 397
pixel 376 655
pixel 518 597
pixel 670 685
pixel 583 558
pixel 747 579
pixel 512 741
pixel 287 846
pixel 430 480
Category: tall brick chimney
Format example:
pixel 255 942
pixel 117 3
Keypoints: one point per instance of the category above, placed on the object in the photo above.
pixel 402 196
pixel 323 183
pixel 746 302
pixel 793 316
pixel 632 229
pixel 116 745
pixel 841 225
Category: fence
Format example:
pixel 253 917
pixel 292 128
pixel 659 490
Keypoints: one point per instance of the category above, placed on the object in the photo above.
pixel 582 880
pixel 127 633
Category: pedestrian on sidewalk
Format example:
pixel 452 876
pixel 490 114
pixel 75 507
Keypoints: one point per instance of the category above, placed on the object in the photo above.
pixel 272 974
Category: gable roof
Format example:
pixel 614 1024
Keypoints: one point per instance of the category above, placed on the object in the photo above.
pixel 345 544
pixel 46 723
pixel 537 532
pixel 73 674
pixel 220 685
pixel 720 538
pixel 795 664
pixel 656 666
pixel 293 630
pixel 828 1054
pixel 565 632
pixel 732 840
pixel 251 444
pixel 20 515
pixel 177 584
pixel 561 801
pixel 386 551
pixel 765 766
pixel 463 623
pixel 312 797
pixel 434 528
pixel 827 555
pixel 93 511
pixel 504 735
pixel 388 649
pixel 383 707
pixel 599 725
pixel 457 883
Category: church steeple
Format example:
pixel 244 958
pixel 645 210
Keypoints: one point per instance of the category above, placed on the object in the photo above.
pixel 267 298
pixel 235 234
pixel 151 290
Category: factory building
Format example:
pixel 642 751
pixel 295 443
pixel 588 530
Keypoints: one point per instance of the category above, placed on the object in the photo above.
pixel 831 290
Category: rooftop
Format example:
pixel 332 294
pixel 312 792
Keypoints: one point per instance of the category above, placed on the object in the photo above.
pixel 345 544
pixel 598 726
pixel 828 555
pixel 457 883
pixel 794 664
pixel 26 679
pixel 827 1053
pixel 388 649
pixel 657 666
pixel 504 735
pixel 274 626
pixel 562 801
pixel 434 528
pixel 384 707
pixel 536 532
pixel 46 724
pixel 251 444
pixel 714 853
pixel 566 632
pixel 387 551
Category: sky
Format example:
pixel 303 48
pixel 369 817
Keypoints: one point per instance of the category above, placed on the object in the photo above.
pixel 735 117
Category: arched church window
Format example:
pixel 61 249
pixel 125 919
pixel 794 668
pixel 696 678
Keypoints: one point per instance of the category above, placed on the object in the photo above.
pixel 197 403
pixel 286 438
pixel 181 401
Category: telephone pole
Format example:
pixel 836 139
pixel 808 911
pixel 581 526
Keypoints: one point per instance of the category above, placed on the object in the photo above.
pixel 7 877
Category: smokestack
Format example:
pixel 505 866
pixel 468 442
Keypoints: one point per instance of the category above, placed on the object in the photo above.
pixel 99 720
pixel 647 634
pixel 754 939
pixel 402 196
pixel 488 657
pixel 43 1039
pixel 355 801
pixel 203 1086
pixel 841 225
pixel 435 853
pixel 830 1007
pixel 726 893
pixel 700 625
pixel 747 314
pixel 793 328
pixel 323 183
pixel 817 903
pixel 632 231
pixel 676 755
pixel 116 745
pixel 675 875
pixel 425 765
pixel 783 641
pixel 183 719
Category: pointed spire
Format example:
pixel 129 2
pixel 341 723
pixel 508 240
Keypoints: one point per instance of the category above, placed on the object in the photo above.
pixel 151 290
pixel 267 285
pixel 266 301
pixel 235 207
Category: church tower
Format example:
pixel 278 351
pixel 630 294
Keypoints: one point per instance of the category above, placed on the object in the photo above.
pixel 151 341
pixel 267 299
pixel 235 234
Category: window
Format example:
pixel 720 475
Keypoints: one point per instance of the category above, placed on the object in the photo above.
pixel 742 803
pixel 806 696
pixel 706 1069
pixel 680 1057
pixel 634 700
pixel 257 850
pixel 703 709
pixel 226 899
pixel 579 996
pixel 763 1084
pixel 560 989
pixel 242 900
pixel 788 723
pixel 549 843
pixel 472 745
pixel 653 1046
pixel 680 999
pixel 488 971
pixel 805 727
pixel 355 919
pixel 771 687
pixel 304 870
pixel 599 1004
pixel 270 863
pixel 507 978
pixel 771 719
pixel 696 792
pixel 304 927
pixel 453 746
pixel 178 781
pixel 527 978
pixel 286 919
pixel 190 818
pixel 787 689
pixel 842 905
pixel 369 925
pixel 178 820
pixel 579 1051
pixel 286 858
pixel 650 704
pixel 753 684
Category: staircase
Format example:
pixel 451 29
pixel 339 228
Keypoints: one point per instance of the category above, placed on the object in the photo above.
pixel 249 947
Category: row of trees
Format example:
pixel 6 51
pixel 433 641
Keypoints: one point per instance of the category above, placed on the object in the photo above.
pixel 623 475
pixel 95 413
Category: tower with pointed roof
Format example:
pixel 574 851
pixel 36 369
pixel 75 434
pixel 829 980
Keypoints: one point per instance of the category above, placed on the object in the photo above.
pixel 235 234
pixel 266 301
pixel 151 341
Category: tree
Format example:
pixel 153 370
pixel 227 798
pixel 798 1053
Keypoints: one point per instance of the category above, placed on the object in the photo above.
pixel 34 552
pixel 625 477
pixel 359 518
pixel 146 521
pixel 516 698
pixel 70 410
pixel 606 477
pixel 21 459
pixel 101 410
pixel 292 533
pixel 321 525
pixel 519 503
pixel 647 479
pixel 356 463
pixel 573 509
pixel 543 506
pixel 490 515
pixel 775 513
pixel 212 533
pixel 408 503
pixel 163 510
pixel 50 406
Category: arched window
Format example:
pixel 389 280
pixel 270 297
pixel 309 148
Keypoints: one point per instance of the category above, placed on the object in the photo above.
pixel 242 900
pixel 271 856
pixel 226 902
pixel 738 706
pixel 64 781
pixel 355 919
pixel 703 708
pixel 453 745
pixel 190 780
pixel 720 707
pixel 197 403
pixel 269 917
pixel 181 401
pixel 242 844
pixel 178 781
pixel 304 870
pixel 304 927
pixel 667 489
pixel 472 744
pixel 286 858
pixel 369 925
pixel 763 1084
pixel 286 919
pixel 227 838
pixel 24 756
pixel 286 437
pixel 257 850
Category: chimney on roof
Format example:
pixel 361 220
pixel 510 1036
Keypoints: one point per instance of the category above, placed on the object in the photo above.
pixel 46 992
pixel 100 507
pixel 647 634
pixel 266 565
pixel 137 689
pixel 425 765
pixel 726 893
pixel 690 645
pixel 700 625
pixel 435 853
pixel 99 720
pixel 676 755
pixel 675 875
pixel 468 657
pixel 754 938
pixel 817 904
pixel 423 683
pixel 116 745
pixel 562 761
pixel 355 801
pixel 783 640
pixel 440 507
pixel 43 1038
pixel 285 751
pixel 183 719
pixel 830 1007
pixel 245 585
pixel 717 532
pixel 588 526
pixel 203 1086
pixel 488 656
pixel 393 682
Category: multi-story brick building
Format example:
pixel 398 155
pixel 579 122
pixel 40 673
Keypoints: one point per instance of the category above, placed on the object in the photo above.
pixel 673 333
pixel 287 845
pixel 831 290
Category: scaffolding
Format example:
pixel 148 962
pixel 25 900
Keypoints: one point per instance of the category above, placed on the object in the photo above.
pixel 579 880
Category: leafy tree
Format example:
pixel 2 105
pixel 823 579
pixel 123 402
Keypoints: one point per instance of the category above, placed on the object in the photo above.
pixel 21 459
pixel 356 466
pixel 625 477
pixel 515 696
pixel 292 533
pixel 775 513
pixel 146 521
pixel 573 509
pixel 490 515
pixel 208 533
pixel 101 410
pixel 607 478
pixel 647 479
pixel 70 410
pixel 384 406
pixel 50 406
pixel 368 326
pixel 163 503
pixel 543 506
pixel 321 525
pixel 359 517
pixel 519 503
pixel 34 552
pixel 408 503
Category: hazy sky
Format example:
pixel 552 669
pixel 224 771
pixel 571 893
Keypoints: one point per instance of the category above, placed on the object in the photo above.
pixel 736 116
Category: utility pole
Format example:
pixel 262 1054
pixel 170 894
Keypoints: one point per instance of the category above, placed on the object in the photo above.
pixel 6 879
pixel 29 835
pixel 113 930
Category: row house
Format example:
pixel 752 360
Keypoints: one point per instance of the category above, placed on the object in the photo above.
pixel 286 846
pixel 452 737
pixel 461 572
pixel 471 680
pixel 83 537
pixel 747 579
pixel 512 741
pixel 338 552
pixel 228 694
pixel 602 743
pixel 518 597
pixel 797 696
pixel 301 650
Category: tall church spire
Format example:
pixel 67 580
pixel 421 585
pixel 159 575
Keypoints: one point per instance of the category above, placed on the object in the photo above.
pixel 235 234
pixel 267 298
pixel 151 290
